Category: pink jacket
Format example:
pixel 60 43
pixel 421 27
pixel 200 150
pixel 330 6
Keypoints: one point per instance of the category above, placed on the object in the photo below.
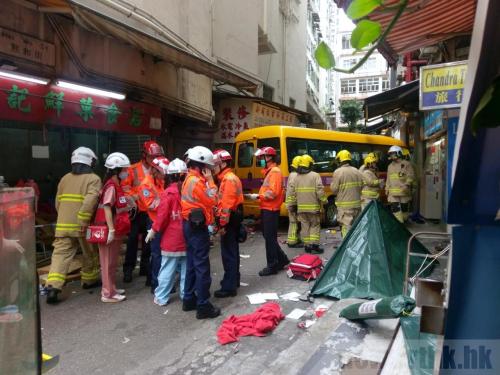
pixel 169 222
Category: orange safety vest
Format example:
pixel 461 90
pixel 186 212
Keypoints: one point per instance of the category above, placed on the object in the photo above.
pixel 130 184
pixel 149 192
pixel 197 192
pixel 271 192
pixel 230 195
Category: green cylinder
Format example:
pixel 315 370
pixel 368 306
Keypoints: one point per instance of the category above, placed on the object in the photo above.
pixel 383 308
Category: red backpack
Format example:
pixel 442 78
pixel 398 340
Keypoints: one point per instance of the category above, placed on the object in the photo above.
pixel 305 267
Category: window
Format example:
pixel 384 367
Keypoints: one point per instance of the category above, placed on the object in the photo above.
pixel 268 92
pixel 291 102
pixel 370 64
pixel 346 41
pixel 369 84
pixel 324 152
pixel 349 63
pixel 348 86
pixel 245 155
pixel 385 84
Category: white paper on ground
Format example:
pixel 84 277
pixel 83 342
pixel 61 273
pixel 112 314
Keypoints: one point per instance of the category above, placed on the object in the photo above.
pixel 292 296
pixel 296 314
pixel 245 256
pixel 309 323
pixel 270 296
pixel 243 284
pixel 256 298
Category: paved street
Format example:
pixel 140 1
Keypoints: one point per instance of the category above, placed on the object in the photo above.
pixel 138 337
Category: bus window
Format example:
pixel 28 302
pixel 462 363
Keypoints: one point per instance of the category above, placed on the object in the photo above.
pixel 271 142
pixel 245 155
pixel 322 152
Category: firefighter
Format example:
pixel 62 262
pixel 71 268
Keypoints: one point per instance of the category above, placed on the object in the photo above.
pixel 130 181
pixel 149 192
pixel 198 201
pixel 346 185
pixel 230 214
pixel 371 155
pixel 76 201
pixel 293 239
pixel 400 179
pixel 371 187
pixel 306 198
pixel 271 197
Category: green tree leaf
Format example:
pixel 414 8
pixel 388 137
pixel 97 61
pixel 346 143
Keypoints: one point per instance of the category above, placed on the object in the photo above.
pixel 324 56
pixel 361 8
pixel 366 32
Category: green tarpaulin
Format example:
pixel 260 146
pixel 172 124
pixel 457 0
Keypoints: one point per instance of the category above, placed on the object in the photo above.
pixel 420 347
pixel 370 262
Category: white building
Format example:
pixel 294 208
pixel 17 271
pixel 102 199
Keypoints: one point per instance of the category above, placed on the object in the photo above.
pixel 370 79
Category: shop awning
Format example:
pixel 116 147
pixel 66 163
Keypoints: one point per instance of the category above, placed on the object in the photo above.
pixel 133 27
pixel 427 23
pixel 402 97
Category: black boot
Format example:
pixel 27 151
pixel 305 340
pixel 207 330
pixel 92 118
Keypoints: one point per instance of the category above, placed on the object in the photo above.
pixel 308 249
pixel 52 295
pixel 95 284
pixel 189 304
pixel 268 271
pixel 207 311
pixel 225 293
pixel 315 249
pixel 296 245
pixel 127 276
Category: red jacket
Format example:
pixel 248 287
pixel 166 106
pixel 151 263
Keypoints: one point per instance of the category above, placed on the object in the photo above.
pixel 169 222
pixel 271 192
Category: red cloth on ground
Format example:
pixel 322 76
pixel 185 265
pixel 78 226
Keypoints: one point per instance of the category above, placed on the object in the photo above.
pixel 258 323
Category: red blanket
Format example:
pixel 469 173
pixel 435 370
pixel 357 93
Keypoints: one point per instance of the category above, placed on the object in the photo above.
pixel 258 323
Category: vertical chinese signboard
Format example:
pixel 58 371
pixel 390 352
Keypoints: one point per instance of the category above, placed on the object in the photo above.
pixel 237 115
pixel 35 103
pixel 442 86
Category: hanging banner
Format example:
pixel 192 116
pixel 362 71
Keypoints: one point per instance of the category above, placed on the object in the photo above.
pixel 442 86
pixel 49 104
pixel 236 115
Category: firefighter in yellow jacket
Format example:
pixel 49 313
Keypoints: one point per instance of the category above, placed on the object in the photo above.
pixel 306 197
pixel 371 188
pixel 346 185
pixel 400 180
pixel 76 200
pixel 293 239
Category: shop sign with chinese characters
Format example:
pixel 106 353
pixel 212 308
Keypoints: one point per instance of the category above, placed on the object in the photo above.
pixel 31 102
pixel 442 86
pixel 27 47
pixel 237 115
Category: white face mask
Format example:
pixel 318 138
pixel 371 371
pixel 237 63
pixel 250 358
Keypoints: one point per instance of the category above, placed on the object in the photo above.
pixel 123 175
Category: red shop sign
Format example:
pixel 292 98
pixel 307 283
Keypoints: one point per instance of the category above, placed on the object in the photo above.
pixel 49 104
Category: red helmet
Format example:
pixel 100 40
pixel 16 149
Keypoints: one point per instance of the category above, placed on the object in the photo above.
pixel 153 149
pixel 222 155
pixel 161 163
pixel 265 151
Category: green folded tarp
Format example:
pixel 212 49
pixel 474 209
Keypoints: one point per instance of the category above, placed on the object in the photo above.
pixel 383 308
pixel 370 262
pixel 420 347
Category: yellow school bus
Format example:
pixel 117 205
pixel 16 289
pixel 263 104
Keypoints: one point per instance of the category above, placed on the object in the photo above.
pixel 289 142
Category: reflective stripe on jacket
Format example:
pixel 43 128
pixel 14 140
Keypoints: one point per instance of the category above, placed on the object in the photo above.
pixel 197 192
pixel 230 195
pixel 149 195
pixel 76 200
pixel 400 178
pixel 288 199
pixel 271 192
pixel 371 188
pixel 346 185
pixel 307 192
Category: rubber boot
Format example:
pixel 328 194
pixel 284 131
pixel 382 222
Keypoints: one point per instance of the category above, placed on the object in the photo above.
pixel 52 295
pixel 207 311
pixel 315 249
pixel 307 249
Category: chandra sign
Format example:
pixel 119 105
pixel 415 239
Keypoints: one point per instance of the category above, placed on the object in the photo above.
pixel 442 86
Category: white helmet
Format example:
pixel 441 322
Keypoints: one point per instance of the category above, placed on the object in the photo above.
pixel 117 160
pixel 83 155
pixel 200 154
pixel 176 166
pixel 395 149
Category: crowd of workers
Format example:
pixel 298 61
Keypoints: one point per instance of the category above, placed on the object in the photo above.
pixel 174 206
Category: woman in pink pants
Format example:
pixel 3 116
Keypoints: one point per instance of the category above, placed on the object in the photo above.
pixel 113 212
